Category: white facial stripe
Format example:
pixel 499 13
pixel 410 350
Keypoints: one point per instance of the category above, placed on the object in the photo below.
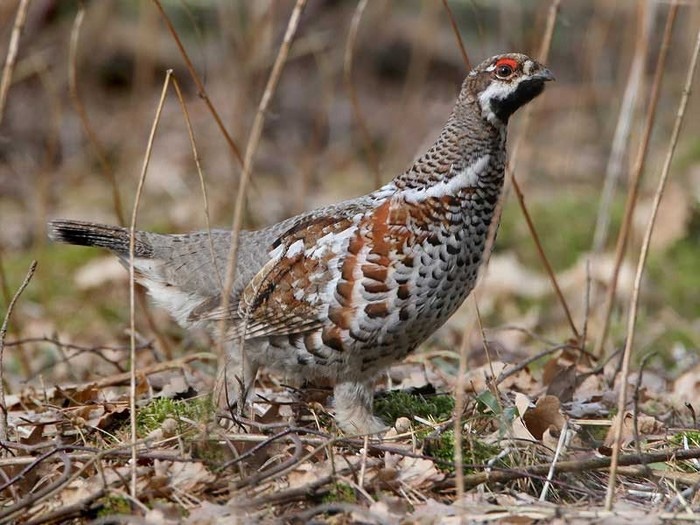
pixel 496 90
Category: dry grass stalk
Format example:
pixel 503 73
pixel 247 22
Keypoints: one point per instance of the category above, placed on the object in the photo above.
pixel 79 107
pixel 635 179
pixel 248 164
pixel 12 51
pixel 634 301
pixel 458 36
pixel 5 82
pixel 3 334
pixel 201 91
pixel 132 280
pixel 510 171
pixel 620 143
pixel 459 395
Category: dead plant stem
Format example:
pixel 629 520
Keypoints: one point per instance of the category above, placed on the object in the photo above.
pixel 634 301
pixel 584 465
pixel 458 36
pixel 132 281
pixel 248 164
pixel 3 334
pixel 201 91
pixel 11 57
pixel 79 107
pixel 620 143
pixel 543 256
pixel 635 179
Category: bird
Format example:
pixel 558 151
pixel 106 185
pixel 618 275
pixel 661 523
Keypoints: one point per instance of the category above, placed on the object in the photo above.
pixel 338 294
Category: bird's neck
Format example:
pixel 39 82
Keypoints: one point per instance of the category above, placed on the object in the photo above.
pixel 468 154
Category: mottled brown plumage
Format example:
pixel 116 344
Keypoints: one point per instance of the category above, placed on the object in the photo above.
pixel 339 293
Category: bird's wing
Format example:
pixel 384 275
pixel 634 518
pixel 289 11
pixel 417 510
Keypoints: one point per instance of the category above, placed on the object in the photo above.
pixel 289 293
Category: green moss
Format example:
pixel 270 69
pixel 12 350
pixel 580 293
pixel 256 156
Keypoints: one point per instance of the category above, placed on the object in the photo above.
pixel 151 416
pixel 113 504
pixel 474 452
pixel 340 493
pixel 398 403
pixel 690 438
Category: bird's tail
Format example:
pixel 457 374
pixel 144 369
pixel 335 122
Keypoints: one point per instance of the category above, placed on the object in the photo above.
pixel 114 238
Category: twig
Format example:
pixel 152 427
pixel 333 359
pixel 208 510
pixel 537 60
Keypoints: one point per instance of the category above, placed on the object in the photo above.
pixel 64 512
pixel 259 476
pixel 201 91
pixel 634 301
pixel 635 178
pixel 594 463
pixel 12 50
pixel 78 349
pixel 40 494
pixel 99 150
pixel 248 164
pixel 505 374
pixel 352 93
pixel 305 491
pixel 458 36
pixel 557 453
pixel 543 256
pixel 120 379
pixel 132 278
pixel 3 334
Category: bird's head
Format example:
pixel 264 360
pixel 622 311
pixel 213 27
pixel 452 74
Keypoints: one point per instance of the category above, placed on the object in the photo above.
pixel 503 83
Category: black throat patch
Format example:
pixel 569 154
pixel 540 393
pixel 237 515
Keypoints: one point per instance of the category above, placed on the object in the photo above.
pixel 528 89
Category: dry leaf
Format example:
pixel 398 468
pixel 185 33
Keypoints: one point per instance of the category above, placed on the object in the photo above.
pixel 520 431
pixel 546 414
pixel 418 472
pixel 646 425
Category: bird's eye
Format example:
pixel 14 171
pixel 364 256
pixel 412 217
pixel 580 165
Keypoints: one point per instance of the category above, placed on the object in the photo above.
pixel 504 71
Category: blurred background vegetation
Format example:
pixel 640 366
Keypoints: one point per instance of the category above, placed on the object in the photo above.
pixel 407 69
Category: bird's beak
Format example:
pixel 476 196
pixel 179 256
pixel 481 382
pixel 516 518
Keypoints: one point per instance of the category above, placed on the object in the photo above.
pixel 544 74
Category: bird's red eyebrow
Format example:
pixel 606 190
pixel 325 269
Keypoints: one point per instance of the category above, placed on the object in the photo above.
pixel 507 62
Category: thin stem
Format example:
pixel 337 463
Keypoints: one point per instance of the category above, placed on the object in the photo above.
pixel 132 281
pixel 458 36
pixel 636 178
pixel 248 164
pixel 634 301
pixel 201 91
pixel 3 334
pixel 79 107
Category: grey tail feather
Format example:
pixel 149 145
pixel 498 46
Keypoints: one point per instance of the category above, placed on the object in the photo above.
pixel 115 238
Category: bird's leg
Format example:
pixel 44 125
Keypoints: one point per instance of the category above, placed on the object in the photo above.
pixel 234 381
pixel 353 408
